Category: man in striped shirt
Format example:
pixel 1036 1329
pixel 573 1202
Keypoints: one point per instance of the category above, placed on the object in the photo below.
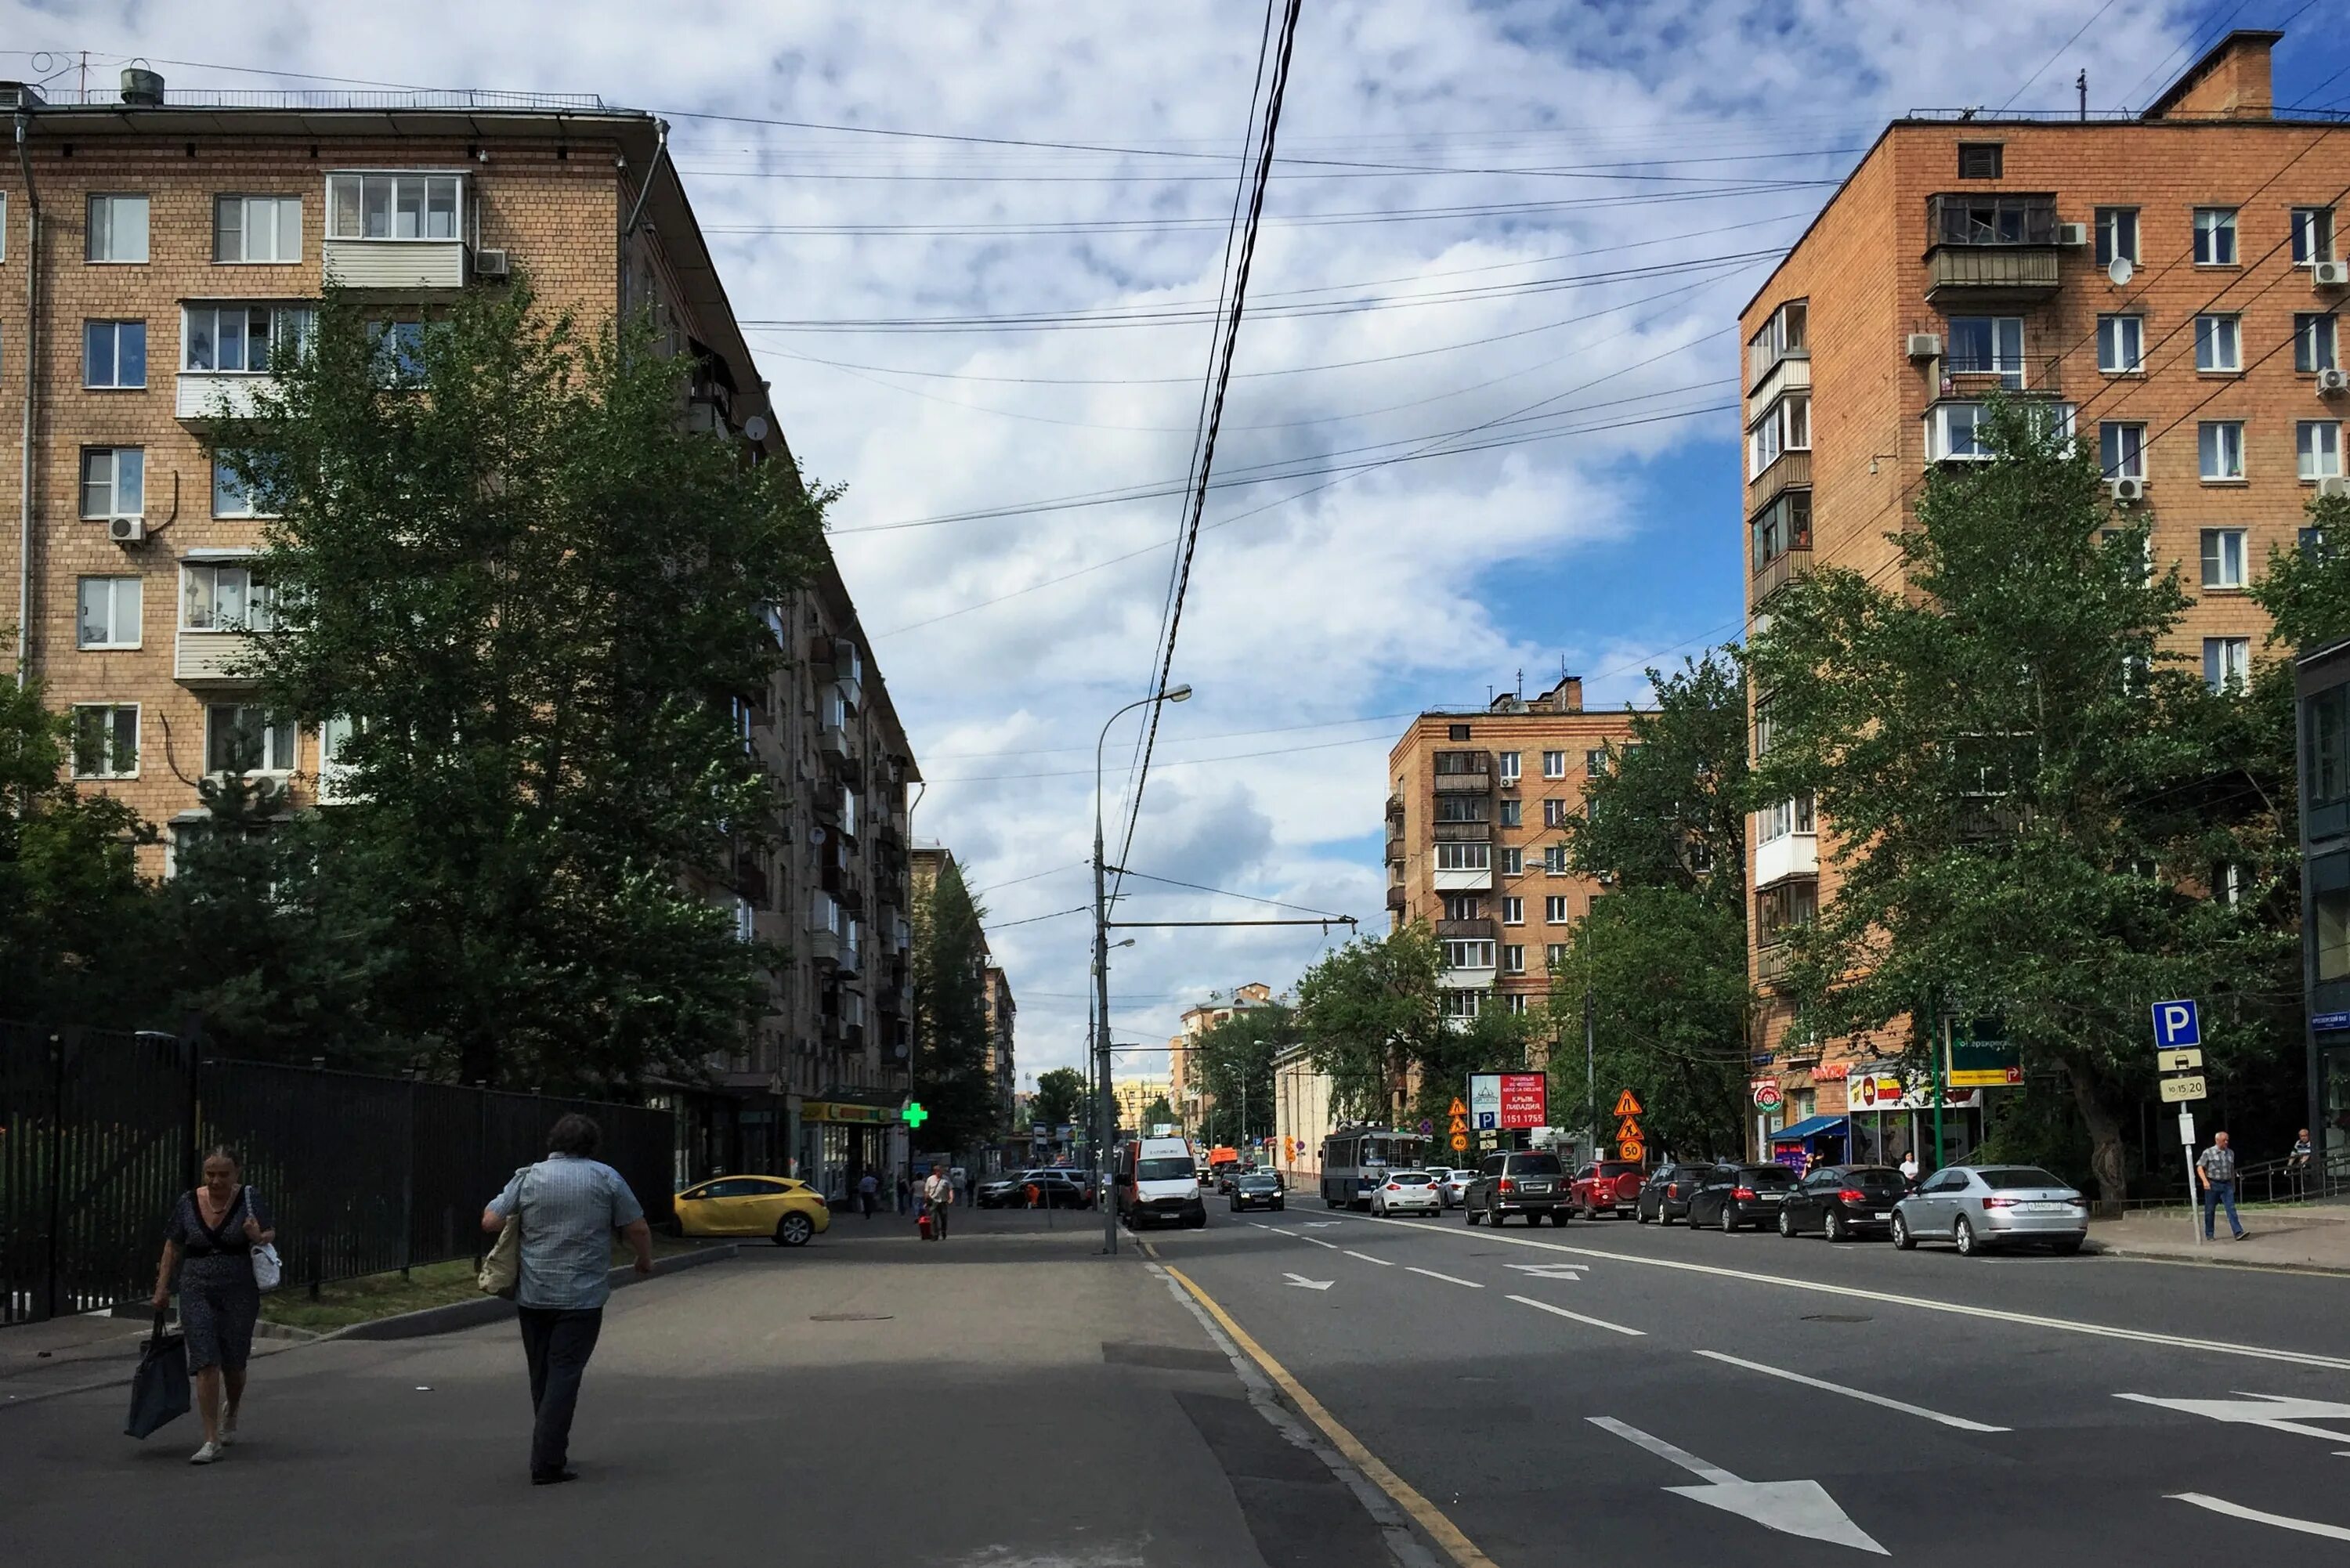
pixel 2216 1172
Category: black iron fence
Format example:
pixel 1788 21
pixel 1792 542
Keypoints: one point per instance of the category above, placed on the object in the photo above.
pixel 99 1134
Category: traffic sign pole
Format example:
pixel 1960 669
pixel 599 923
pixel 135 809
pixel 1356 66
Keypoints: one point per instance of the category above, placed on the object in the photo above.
pixel 2194 1199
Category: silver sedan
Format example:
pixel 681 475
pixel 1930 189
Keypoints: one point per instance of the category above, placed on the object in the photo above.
pixel 1979 1207
pixel 1452 1184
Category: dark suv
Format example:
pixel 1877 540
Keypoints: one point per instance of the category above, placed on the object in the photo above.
pixel 1529 1182
pixel 1667 1196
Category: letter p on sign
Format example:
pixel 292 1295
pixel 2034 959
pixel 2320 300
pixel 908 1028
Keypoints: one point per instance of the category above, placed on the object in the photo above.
pixel 2176 1024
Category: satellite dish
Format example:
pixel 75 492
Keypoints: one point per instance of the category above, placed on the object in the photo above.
pixel 755 426
pixel 2119 272
pixel 815 835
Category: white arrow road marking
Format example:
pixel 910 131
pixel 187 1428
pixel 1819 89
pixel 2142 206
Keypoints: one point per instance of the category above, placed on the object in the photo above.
pixel 2277 1412
pixel 1863 1395
pixel 1323 1224
pixel 1448 1279
pixel 1792 1508
pixel 1594 1321
pixel 1382 1262
pixel 1302 1282
pixel 1553 1271
pixel 2282 1522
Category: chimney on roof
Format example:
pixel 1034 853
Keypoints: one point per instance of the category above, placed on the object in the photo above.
pixel 2230 82
pixel 142 88
pixel 1566 697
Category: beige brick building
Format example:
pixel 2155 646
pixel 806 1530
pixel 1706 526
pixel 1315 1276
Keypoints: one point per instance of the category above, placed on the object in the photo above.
pixel 2167 283
pixel 155 254
pixel 1185 1089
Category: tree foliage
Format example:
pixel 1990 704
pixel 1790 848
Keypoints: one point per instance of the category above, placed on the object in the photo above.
pixel 951 1033
pixel 1233 1064
pixel 2306 591
pixel 1670 811
pixel 1158 1113
pixel 1368 1011
pixel 1059 1093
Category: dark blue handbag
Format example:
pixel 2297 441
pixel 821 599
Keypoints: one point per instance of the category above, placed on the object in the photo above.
pixel 159 1389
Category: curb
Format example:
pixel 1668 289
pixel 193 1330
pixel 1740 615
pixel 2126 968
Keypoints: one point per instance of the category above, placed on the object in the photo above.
pixel 473 1313
pixel 2107 1250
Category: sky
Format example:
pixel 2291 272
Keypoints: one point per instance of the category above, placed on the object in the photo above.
pixel 977 246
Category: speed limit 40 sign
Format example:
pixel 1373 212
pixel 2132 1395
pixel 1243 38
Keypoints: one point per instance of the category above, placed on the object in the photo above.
pixel 1767 1096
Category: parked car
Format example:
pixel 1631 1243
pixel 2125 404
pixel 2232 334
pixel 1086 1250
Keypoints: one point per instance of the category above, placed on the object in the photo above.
pixel 1606 1186
pixel 1227 1175
pixel 1735 1196
pixel 1979 1207
pixel 1259 1190
pixel 1842 1201
pixel 1452 1184
pixel 778 1205
pixel 1665 1196
pixel 1406 1192
pixel 1531 1182
pixel 1001 1191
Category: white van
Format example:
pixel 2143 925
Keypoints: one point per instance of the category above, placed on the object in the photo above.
pixel 1158 1182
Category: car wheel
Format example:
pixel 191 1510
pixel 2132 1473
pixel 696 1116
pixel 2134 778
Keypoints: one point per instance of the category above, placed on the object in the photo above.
pixel 1199 1221
pixel 1493 1216
pixel 1902 1241
pixel 1837 1231
pixel 1963 1234
pixel 794 1231
pixel 1729 1220
pixel 1786 1224
pixel 1279 1204
pixel 1327 1201
pixel 1468 1213
pixel 1639 1215
pixel 1558 1216
pixel 1236 1205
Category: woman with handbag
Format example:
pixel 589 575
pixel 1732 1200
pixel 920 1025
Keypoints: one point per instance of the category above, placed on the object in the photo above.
pixel 216 1240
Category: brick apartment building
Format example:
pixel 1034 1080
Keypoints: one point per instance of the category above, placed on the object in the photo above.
pixel 1185 1090
pixel 156 253
pixel 929 861
pixel 2165 282
pixel 1474 845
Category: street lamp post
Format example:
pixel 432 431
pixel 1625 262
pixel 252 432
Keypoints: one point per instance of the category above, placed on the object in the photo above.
pixel 1103 1125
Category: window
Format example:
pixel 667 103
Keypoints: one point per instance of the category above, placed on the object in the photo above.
pixel 1554 764
pixel 1513 814
pixel 2117 235
pixel 1510 767
pixel 1513 862
pixel 1464 856
pixel 2227 883
pixel 248 338
pixel 1783 908
pixel 1980 159
pixel 1987 345
pixel 2318 443
pixel 1459 808
pixel 398 347
pixel 221 597
pixel 114 354
pixel 2227 663
pixel 2121 344
pixel 1513 959
pixel 106 741
pixel 2312 235
pixel 110 613
pixel 1952 433
pixel 241 738
pixel 1555 909
pixel 1455 1003
pixel 333 758
pixel 1463 907
pixel 233 498
pixel 1782 817
pixel 1554 955
pixel 1787 427
pixel 2221 445
pixel 2223 558
pixel 393 206
pixel 1469 955
pixel 2121 450
pixel 1782 336
pixel 1766 729
pixel 113 481
pixel 1595 762
pixel 1554 814
pixel 2313 342
pixel 256 228
pixel 1457 733
pixel 1515 1002
pixel 1554 860
pixel 1786 525
pixel 1982 219
pixel 2215 236
pixel 2218 343
pixel 117 229
pixel 1514 911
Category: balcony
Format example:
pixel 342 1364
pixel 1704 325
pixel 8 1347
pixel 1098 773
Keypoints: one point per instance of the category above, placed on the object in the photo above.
pixel 399 265
pixel 1395 808
pixel 218 394
pixel 1464 879
pixel 832 743
pixel 1463 832
pixel 2041 374
pixel 1395 845
pixel 1781 570
pixel 1480 930
pixel 1793 470
pixel 825 926
pixel 1479 979
pixel 213 658
pixel 1395 896
pixel 1479 782
pixel 1770 962
pixel 1789 855
pixel 1791 372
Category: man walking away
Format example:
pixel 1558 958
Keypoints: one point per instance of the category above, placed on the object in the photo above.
pixel 2216 1172
pixel 570 1204
pixel 938 1196
pixel 869 1188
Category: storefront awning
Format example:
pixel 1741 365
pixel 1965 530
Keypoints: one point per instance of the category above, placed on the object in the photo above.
pixel 1809 1128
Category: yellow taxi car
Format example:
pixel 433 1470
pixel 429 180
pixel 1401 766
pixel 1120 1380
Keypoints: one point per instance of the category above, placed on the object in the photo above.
pixel 790 1211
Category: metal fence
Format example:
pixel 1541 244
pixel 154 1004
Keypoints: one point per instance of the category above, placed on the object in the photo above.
pixel 99 1134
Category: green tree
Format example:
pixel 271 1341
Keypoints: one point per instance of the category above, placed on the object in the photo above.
pixel 540 605
pixel 1157 1113
pixel 1670 810
pixel 2306 591
pixel 2026 791
pixel 951 1033
pixel 1059 1093
pixel 1489 1041
pixel 1234 1060
pixel 1368 1012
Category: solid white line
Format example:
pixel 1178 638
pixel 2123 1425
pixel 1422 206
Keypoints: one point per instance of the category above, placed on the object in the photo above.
pixel 1382 1262
pixel 1854 1292
pixel 1665 1451
pixel 1448 1279
pixel 1594 1321
pixel 2238 1510
pixel 1960 1422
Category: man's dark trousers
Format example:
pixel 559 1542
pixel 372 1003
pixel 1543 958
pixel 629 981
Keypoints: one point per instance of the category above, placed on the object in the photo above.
pixel 557 1341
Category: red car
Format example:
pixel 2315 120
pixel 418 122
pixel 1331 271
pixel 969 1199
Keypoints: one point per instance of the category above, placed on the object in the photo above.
pixel 1609 1186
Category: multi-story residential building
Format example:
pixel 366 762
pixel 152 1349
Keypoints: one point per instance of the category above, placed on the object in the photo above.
pixel 1133 1096
pixel 2165 283
pixel 169 250
pixel 1301 1113
pixel 1002 1013
pixel 1475 839
pixel 1185 1090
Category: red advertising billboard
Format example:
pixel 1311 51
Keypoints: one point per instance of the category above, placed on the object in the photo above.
pixel 1525 1100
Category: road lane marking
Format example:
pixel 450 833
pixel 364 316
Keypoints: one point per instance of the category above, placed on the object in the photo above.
pixel 1594 1321
pixel 1382 1262
pixel 1789 1507
pixel 2238 1510
pixel 1866 1398
pixel 1302 1237
pixel 1303 1283
pixel 2277 1412
pixel 1924 1304
pixel 1570 1271
pixel 1424 1513
pixel 1448 1279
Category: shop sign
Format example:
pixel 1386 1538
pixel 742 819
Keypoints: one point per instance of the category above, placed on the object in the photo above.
pixel 1767 1096
pixel 835 1111
pixel 1883 1088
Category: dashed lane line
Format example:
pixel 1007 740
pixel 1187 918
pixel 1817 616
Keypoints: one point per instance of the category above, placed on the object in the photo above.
pixel 1960 1422
pixel 1579 1317
pixel 1448 1279
pixel 2282 1521
pixel 1382 1262
pixel 1301 1236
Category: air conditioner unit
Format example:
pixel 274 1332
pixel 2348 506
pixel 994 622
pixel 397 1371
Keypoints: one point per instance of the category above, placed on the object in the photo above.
pixel 2073 234
pixel 2331 382
pixel 493 264
pixel 2336 485
pixel 2125 489
pixel 2329 274
pixel 1925 345
pixel 126 530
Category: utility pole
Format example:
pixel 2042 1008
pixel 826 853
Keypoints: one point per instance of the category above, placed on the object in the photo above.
pixel 1591 1071
pixel 1934 1043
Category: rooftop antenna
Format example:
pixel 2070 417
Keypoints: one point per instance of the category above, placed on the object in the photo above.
pixel 1522 681
pixel 2081 85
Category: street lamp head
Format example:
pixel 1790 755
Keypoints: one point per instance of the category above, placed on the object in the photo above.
pixel 1128 943
pixel 1182 693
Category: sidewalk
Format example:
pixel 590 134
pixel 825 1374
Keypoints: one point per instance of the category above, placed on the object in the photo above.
pixel 2283 1236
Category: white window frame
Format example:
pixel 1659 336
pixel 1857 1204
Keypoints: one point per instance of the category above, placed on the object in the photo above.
pixel 261 603
pixel 2316 341
pixel 2218 444
pixel 1514 1002
pixel 2128 459
pixel 112 459
pixel 1513 910
pixel 1513 862
pixel 113 756
pixel 1510 767
pixel 2111 222
pixel 1795 814
pixel 1554 764
pixel 1785 426
pixel 362 183
pixel 1554 955
pixel 116 590
pixel 117 206
pixel 2215 231
pixel 2219 343
pixel 290 326
pixel 2117 332
pixel 1940 421
pixel 1555 909
pixel 2312 235
pixel 242 505
pixel 2227 663
pixel 114 355
pixel 1553 812
pixel 2317 449
pixel 1469 952
pixel 280 738
pixel 1464 858
pixel 1554 859
pixel 2006 349
pixel 1514 958
pixel 2223 558
pixel 243 203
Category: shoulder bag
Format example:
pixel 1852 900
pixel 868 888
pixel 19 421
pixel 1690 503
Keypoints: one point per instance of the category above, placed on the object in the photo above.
pixel 269 1268
pixel 501 1274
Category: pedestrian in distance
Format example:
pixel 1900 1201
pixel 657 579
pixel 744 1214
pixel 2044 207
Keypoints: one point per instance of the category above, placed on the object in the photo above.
pixel 938 1196
pixel 2300 1160
pixel 569 1206
pixel 868 1192
pixel 903 1195
pixel 1909 1168
pixel 2216 1172
pixel 210 1240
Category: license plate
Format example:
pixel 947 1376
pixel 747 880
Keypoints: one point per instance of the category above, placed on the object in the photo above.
pixel 1537 1187
pixel 1775 1198
pixel 1884 1214
pixel 2043 1208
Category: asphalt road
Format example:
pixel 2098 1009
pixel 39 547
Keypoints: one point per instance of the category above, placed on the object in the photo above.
pixel 1607 1392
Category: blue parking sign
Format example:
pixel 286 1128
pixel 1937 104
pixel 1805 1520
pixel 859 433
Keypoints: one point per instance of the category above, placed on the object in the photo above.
pixel 2176 1024
pixel 1486 1120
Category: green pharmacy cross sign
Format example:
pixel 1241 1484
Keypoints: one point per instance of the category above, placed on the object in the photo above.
pixel 914 1114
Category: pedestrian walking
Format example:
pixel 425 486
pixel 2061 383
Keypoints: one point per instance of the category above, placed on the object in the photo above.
pixel 957 1180
pixel 938 1196
pixel 904 1197
pixel 868 1191
pixel 568 1205
pixel 209 1239
pixel 2216 1172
